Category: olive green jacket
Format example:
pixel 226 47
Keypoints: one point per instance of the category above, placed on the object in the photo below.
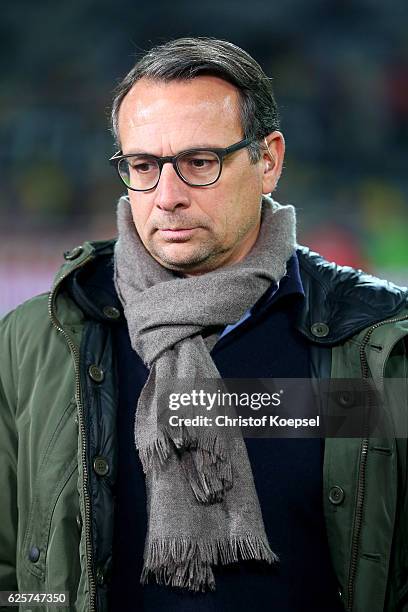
pixel 56 526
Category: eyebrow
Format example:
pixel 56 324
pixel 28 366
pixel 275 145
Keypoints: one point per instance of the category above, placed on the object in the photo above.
pixel 192 148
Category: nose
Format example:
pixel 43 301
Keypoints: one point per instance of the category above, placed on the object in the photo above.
pixel 171 192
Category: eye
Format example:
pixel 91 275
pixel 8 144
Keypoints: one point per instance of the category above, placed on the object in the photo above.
pixel 200 162
pixel 142 165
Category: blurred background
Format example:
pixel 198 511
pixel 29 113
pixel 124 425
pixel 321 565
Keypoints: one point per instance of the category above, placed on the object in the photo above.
pixel 340 74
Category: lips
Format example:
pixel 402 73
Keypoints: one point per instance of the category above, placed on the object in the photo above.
pixel 178 234
pixel 174 229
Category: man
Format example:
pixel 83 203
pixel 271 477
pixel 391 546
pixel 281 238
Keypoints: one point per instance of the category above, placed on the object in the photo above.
pixel 205 281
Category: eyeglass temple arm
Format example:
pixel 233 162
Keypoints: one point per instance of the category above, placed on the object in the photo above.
pixel 238 145
pixel 115 157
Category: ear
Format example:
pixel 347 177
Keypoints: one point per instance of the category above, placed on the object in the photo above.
pixel 273 153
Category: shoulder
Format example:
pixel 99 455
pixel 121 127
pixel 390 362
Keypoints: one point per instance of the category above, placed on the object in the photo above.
pixel 27 315
pixel 20 330
pixel 346 280
pixel 346 300
pixel 32 316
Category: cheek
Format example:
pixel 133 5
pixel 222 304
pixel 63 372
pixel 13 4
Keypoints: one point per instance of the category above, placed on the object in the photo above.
pixel 244 206
pixel 220 219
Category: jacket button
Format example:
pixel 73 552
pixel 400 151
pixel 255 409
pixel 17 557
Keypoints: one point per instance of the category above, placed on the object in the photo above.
pixel 34 554
pixel 74 253
pixel 111 312
pixel 346 399
pixel 96 373
pixel 100 466
pixel 336 495
pixel 320 330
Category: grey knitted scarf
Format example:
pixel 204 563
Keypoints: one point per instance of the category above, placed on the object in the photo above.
pixel 203 508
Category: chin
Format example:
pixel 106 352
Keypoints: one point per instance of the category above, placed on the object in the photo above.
pixel 181 265
pixel 180 257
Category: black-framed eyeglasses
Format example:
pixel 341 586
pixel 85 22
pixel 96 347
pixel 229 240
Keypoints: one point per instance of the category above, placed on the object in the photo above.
pixel 196 167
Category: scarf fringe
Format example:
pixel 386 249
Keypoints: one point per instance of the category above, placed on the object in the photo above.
pixel 208 468
pixel 186 563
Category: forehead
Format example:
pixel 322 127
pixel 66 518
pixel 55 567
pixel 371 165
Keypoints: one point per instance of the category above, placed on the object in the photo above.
pixel 199 109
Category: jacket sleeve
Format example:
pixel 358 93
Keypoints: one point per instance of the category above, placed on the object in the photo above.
pixel 8 456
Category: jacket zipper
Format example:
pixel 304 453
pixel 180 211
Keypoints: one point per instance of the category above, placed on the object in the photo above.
pixel 78 396
pixel 362 472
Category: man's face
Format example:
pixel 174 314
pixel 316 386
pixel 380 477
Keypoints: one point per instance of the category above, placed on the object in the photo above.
pixel 193 230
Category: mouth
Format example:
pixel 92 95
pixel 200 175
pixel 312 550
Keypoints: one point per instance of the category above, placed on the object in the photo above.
pixel 177 234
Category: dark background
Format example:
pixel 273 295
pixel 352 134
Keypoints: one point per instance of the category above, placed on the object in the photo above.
pixel 340 74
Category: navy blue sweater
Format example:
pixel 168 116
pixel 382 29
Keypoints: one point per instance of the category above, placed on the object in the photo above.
pixel 287 474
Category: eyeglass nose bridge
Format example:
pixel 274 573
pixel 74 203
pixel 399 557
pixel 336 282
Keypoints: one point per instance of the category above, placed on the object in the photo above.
pixel 169 159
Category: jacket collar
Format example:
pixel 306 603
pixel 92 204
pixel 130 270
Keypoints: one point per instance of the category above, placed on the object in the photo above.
pixel 339 301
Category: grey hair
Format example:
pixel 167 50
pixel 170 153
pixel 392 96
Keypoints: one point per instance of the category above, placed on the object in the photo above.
pixel 187 58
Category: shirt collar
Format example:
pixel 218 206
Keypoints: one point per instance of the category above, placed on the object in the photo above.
pixel 290 284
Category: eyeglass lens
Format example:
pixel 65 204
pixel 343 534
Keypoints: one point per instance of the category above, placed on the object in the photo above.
pixel 198 168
